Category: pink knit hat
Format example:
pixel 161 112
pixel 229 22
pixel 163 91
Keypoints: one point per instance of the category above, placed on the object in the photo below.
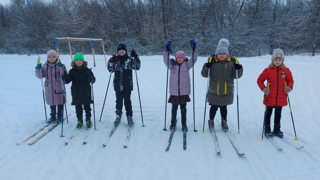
pixel 277 53
pixel 52 53
pixel 180 54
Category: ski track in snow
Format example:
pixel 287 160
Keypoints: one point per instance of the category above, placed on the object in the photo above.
pixel 22 114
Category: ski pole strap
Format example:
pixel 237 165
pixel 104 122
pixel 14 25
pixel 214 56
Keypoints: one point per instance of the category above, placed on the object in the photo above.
pixel 39 60
pixel 59 59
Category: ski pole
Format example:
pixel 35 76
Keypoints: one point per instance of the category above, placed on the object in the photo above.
pixel 105 97
pixel 135 69
pixel 292 117
pixel 44 100
pixel 237 75
pixel 94 111
pixel 64 93
pixel 165 112
pixel 205 102
pixel 194 118
pixel 265 113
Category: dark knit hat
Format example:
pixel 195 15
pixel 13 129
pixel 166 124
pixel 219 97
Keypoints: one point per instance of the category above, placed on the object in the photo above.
pixel 222 47
pixel 122 46
pixel 277 53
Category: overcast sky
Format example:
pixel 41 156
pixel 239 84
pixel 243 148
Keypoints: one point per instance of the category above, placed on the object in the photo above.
pixel 4 2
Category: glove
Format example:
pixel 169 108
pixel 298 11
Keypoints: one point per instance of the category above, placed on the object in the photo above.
pixel 113 59
pixel 237 66
pixel 133 53
pixel 92 79
pixel 64 77
pixel 287 89
pixel 266 91
pixel 173 62
pixel 167 46
pixel 60 64
pixel 137 60
pixel 39 66
pixel 193 44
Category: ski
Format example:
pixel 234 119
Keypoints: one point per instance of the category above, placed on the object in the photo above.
pixel 110 135
pixel 45 133
pixel 295 144
pixel 73 134
pixel 128 137
pixel 33 134
pixel 275 144
pixel 170 139
pixel 184 140
pixel 216 144
pixel 234 143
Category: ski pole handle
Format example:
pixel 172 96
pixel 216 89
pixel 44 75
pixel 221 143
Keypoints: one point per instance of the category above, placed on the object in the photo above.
pixel 39 60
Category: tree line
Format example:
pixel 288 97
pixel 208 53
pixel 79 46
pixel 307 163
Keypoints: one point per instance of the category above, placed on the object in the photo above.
pixel 252 26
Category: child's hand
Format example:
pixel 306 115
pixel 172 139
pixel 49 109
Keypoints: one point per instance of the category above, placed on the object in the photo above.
pixel 64 77
pixel 237 66
pixel 208 64
pixel 266 91
pixel 173 62
pixel 133 53
pixel 60 64
pixel 287 89
pixel 92 79
pixel 39 66
pixel 113 59
pixel 193 44
pixel 167 46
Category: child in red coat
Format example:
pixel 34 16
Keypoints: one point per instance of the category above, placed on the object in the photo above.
pixel 278 76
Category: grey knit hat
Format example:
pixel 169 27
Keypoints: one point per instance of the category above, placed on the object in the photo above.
pixel 277 53
pixel 222 46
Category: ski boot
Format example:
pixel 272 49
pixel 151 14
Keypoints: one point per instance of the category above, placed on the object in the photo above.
pixel 211 124
pixel 117 121
pixel 130 121
pixel 79 125
pixel 173 125
pixel 224 125
pixel 276 131
pixel 267 131
pixel 52 118
pixel 59 118
pixel 89 124
pixel 184 125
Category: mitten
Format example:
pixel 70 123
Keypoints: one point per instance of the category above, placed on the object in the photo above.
pixel 133 53
pixel 266 91
pixel 167 46
pixel 193 44
pixel 39 66
pixel 237 66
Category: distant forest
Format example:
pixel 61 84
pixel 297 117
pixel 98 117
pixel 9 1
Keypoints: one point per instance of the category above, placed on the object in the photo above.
pixel 253 27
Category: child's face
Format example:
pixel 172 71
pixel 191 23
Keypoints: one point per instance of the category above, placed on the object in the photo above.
pixel 222 56
pixel 122 52
pixel 79 62
pixel 277 62
pixel 52 59
pixel 180 60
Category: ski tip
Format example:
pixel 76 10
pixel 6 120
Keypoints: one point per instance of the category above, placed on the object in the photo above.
pixel 202 131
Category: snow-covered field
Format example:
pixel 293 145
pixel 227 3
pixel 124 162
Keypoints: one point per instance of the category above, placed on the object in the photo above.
pixel 22 114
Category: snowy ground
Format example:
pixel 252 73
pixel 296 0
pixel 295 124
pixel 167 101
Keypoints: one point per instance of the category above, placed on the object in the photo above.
pixel 21 112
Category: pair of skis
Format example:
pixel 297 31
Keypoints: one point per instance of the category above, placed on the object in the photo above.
pixel 42 135
pixel 275 142
pixel 171 137
pixel 112 132
pixel 76 131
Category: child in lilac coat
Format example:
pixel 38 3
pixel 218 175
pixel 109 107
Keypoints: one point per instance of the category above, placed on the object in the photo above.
pixel 179 86
pixel 53 88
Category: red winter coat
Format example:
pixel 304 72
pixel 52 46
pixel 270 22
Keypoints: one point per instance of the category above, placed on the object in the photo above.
pixel 278 77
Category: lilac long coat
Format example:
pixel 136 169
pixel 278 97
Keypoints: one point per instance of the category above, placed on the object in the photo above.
pixel 179 75
pixel 53 88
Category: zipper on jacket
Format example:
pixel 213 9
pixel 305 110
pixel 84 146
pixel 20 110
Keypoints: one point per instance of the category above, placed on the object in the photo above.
pixel 52 88
pixel 225 87
pixel 218 88
pixel 179 80
pixel 277 86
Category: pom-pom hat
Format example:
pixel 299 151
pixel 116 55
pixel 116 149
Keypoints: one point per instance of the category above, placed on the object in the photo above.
pixel 222 47
pixel 52 53
pixel 180 54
